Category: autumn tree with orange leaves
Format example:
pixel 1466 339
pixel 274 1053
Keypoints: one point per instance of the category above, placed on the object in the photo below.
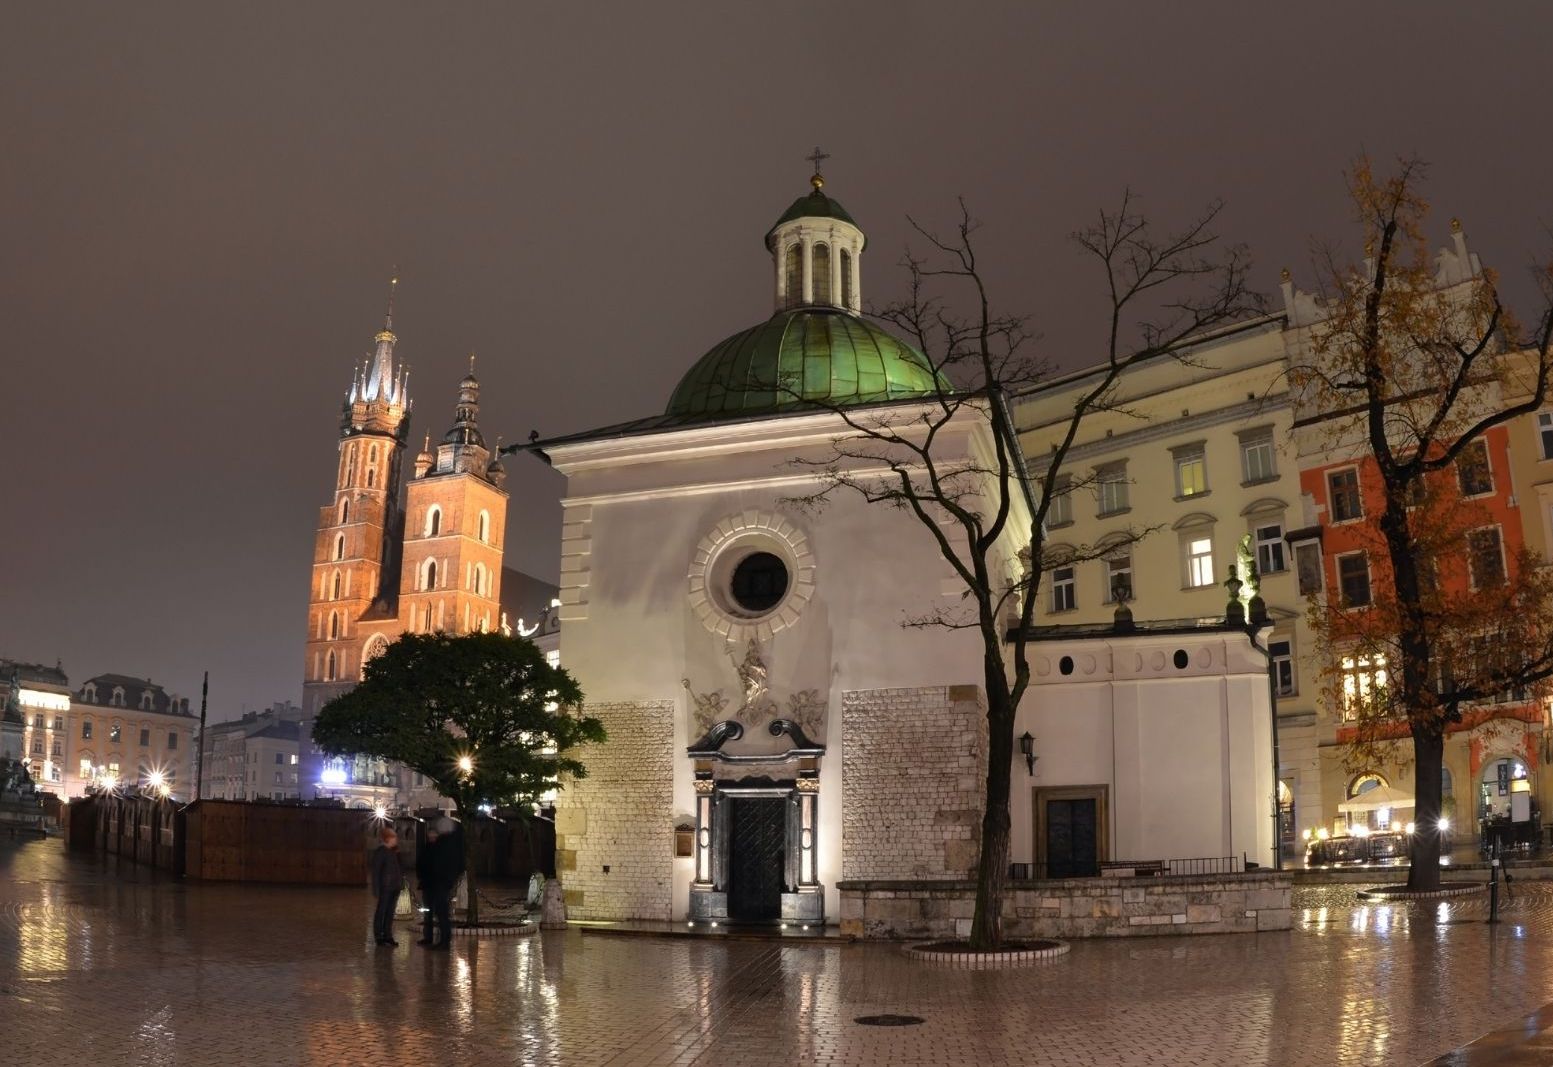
pixel 1407 372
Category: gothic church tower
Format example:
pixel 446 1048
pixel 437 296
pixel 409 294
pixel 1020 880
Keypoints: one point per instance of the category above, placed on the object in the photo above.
pixel 457 511
pixel 357 550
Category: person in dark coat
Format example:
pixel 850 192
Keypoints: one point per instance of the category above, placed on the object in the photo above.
pixel 424 855
pixel 387 880
pixel 439 878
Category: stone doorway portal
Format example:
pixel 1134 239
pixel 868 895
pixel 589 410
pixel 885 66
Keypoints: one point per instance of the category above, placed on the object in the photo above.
pixel 758 853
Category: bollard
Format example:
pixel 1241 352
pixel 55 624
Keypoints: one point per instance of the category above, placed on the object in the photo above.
pixel 1493 884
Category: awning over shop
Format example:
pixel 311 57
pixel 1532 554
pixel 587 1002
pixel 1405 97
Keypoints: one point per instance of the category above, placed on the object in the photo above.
pixel 1381 797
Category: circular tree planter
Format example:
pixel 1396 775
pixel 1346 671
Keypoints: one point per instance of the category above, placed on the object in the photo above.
pixel 959 954
pixel 496 929
pixel 1400 894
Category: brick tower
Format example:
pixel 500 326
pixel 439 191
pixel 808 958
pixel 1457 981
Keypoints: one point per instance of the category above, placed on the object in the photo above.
pixel 456 518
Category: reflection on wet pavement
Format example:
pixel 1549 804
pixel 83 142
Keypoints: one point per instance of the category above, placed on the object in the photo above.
pixel 140 969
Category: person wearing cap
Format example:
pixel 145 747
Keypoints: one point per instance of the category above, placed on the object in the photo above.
pixel 439 877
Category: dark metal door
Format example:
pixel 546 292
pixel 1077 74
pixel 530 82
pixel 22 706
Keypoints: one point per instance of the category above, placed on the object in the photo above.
pixel 1070 839
pixel 759 847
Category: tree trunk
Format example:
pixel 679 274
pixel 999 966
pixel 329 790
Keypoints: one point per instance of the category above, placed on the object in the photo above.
pixel 466 834
pixel 1428 753
pixel 992 871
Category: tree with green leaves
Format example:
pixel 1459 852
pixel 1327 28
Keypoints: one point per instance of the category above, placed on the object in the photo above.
pixel 483 716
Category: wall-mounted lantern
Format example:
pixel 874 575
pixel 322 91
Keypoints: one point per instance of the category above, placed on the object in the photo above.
pixel 1027 748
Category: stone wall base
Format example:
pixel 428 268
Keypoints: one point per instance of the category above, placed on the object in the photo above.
pixel 1076 907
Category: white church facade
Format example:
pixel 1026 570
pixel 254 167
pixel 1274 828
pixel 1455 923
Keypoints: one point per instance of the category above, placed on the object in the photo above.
pixel 774 730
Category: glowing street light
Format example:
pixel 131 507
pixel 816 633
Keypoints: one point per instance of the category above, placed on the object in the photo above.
pixel 466 764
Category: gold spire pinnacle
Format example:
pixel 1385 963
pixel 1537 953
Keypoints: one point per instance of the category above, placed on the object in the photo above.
pixel 471 364
pixel 1455 225
pixel 387 333
pixel 817 157
pixel 1285 275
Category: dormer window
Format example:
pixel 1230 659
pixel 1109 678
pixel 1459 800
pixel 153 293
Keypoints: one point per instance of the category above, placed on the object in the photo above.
pixel 147 700
pixel 89 692
pixel 117 700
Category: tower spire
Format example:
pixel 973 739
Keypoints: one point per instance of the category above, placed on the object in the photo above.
pixel 381 381
pixel 393 287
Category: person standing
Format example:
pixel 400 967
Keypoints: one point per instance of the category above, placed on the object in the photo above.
pixel 445 863
pixel 387 881
pixel 424 860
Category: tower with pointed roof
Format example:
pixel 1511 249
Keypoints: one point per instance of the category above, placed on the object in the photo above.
pixel 456 512
pixel 357 550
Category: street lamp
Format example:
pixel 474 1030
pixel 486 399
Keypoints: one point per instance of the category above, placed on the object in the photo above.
pixel 1027 749
pixel 466 764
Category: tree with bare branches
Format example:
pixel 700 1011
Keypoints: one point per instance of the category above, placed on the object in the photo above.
pixel 1410 372
pixel 986 506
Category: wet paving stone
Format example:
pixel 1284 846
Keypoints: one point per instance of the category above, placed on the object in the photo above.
pixel 128 967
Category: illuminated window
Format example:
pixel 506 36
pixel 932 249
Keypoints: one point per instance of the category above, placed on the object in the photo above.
pixel 1064 589
pixel 1363 683
pixel 1353 578
pixel 821 274
pixel 1191 470
pixel 1199 562
pixel 1473 472
pixel 86 767
pixel 1343 492
pixel 86 730
pixel 114 732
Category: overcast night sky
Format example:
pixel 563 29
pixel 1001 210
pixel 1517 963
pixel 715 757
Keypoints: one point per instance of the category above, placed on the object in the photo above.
pixel 201 205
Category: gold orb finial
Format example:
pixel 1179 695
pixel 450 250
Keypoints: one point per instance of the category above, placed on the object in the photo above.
pixel 818 182
pixel 1284 274
pixel 1455 225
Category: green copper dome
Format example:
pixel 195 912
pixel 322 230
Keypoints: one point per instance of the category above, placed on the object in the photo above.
pixel 812 205
pixel 799 358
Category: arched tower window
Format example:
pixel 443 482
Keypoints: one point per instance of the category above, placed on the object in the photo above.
pixel 334 589
pixel 339 546
pixel 485 527
pixel 345 512
pixel 433 521
pixel 846 278
pixel 350 465
pixel 479 579
pixel 377 644
pixel 429 575
pixel 372 467
pixel 331 668
pixel 821 274
pixel 793 269
pixel 334 624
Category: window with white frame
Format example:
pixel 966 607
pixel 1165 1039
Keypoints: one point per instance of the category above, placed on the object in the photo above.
pixel 1060 511
pixel 1111 486
pixel 1191 465
pixel 1343 495
pixel 1064 588
pixel 1473 472
pixel 1118 576
pixel 1199 559
pixel 1485 557
pixel 1545 433
pixel 1258 457
pixel 1269 547
pixel 1281 655
pixel 484 526
pixel 433 521
pixel 1353 579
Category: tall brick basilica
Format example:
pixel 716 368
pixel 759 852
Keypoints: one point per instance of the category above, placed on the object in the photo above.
pixel 387 562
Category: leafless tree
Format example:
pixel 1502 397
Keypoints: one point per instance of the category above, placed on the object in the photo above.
pixel 985 507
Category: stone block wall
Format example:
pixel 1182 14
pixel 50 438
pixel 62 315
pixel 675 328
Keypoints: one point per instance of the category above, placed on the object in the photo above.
pixel 1074 907
pixel 615 828
pixel 914 765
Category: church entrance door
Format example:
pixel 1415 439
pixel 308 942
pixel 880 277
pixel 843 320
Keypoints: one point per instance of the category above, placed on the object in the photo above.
pixel 758 840
pixel 1070 827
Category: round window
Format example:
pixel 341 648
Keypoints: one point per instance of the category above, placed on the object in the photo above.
pixel 758 582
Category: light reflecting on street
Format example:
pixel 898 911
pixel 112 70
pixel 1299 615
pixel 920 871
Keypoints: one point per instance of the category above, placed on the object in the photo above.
pixel 99 967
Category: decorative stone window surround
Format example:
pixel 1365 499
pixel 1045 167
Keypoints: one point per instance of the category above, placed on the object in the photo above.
pixel 756 530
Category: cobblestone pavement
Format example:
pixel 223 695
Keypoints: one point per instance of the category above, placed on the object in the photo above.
pixel 138 969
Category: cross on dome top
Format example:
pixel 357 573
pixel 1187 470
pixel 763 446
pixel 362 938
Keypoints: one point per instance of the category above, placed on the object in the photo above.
pixel 817 157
